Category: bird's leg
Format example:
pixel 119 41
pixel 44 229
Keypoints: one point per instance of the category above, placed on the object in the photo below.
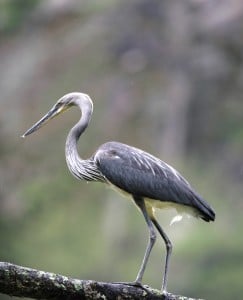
pixel 152 237
pixel 168 253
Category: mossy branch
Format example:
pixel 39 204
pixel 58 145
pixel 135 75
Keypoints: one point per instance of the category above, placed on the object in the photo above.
pixel 25 282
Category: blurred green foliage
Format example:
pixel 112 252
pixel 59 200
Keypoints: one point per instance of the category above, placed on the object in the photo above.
pixel 13 14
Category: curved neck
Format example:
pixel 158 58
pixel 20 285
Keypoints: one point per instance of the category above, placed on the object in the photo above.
pixel 75 163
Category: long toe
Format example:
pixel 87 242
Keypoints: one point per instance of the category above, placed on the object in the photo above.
pixel 165 293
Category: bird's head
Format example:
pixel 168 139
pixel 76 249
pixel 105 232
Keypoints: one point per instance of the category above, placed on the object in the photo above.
pixel 65 102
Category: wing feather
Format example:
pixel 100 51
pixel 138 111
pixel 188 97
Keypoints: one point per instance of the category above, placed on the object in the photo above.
pixel 140 173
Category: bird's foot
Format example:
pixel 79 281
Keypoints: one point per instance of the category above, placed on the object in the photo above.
pixel 164 292
pixel 167 295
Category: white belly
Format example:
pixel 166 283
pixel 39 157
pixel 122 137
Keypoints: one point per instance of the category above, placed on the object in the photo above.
pixel 152 204
pixel 181 209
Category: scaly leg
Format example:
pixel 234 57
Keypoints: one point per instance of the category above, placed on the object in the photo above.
pixel 168 245
pixel 152 237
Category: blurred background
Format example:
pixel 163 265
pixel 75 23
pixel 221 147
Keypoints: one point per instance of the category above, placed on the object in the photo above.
pixel 165 76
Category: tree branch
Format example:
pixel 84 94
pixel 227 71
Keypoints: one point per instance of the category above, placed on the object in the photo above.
pixel 25 282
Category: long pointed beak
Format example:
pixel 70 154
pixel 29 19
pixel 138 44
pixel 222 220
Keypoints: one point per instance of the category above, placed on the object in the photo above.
pixel 50 115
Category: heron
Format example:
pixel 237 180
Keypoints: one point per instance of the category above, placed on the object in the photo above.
pixel 148 181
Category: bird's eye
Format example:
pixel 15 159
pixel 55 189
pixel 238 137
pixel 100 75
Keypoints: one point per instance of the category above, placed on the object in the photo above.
pixel 58 104
pixel 61 102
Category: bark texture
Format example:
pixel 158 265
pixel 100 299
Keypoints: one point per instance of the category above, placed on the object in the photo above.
pixel 25 282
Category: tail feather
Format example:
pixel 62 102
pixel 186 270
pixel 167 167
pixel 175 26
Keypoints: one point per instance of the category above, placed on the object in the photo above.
pixel 205 210
pixel 186 195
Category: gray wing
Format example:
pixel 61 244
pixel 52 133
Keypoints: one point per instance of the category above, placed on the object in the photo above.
pixel 140 173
